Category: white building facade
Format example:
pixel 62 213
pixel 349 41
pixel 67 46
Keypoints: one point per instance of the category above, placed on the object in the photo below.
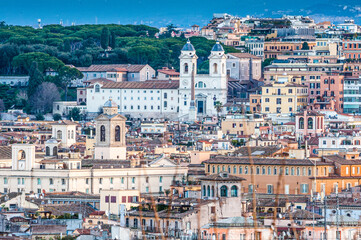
pixel 167 98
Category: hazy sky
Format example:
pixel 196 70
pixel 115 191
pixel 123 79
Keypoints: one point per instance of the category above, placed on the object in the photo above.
pixel 162 12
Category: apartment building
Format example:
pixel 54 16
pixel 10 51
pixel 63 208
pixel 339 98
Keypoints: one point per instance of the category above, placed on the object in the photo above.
pixel 284 97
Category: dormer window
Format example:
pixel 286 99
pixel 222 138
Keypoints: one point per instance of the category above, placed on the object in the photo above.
pixel 97 88
pixel 224 175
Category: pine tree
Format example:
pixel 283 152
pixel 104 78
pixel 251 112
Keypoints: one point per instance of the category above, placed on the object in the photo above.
pixel 104 38
pixel 35 78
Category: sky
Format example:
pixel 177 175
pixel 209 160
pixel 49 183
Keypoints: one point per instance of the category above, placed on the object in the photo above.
pixel 159 13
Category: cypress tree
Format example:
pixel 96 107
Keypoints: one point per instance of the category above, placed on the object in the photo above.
pixel 104 38
pixel 35 78
pixel 113 40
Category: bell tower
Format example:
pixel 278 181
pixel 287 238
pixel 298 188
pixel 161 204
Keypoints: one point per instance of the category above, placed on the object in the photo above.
pixel 217 61
pixel 188 64
pixel 110 133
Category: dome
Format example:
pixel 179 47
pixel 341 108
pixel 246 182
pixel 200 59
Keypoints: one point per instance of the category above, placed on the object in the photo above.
pixel 51 140
pixel 217 48
pixel 188 46
pixel 110 103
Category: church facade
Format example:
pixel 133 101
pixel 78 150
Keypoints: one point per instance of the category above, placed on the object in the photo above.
pixel 168 98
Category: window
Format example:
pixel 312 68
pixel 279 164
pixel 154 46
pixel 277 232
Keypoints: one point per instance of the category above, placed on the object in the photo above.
pixel 224 191
pixel 160 179
pixel 304 188
pixel 100 180
pixel 278 101
pixel 269 189
pixel 117 134
pixel 133 179
pixel 51 181
pixel 97 88
pixel 102 133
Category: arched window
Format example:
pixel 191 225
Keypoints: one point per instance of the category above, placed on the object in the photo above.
pixel 309 171
pixel 208 191
pixel 47 151
pixel 212 191
pixel 292 171
pixel 223 68
pixel 200 85
pixel 215 68
pixel 204 191
pixel 213 169
pixel 246 170
pixel 55 151
pixel 275 171
pixel 298 171
pixel 59 134
pixel 102 133
pixel 304 171
pixel 21 155
pixel 269 171
pixel 117 134
pixel 263 170
pixel 257 170
pixel 97 88
pixel 310 123
pixel 186 68
pixel 224 191
pixel 234 191
pixel 301 123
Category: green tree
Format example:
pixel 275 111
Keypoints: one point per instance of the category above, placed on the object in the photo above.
pixel 44 61
pixel 35 78
pixel 57 117
pixel 65 76
pixel 39 117
pixel 113 39
pixel 104 38
pixel 305 46
pixel 74 114
pixel 218 106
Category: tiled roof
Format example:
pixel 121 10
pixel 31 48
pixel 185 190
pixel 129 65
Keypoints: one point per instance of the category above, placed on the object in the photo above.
pixel 244 55
pixel 150 84
pixel 48 229
pixel 112 67
pixel 5 152
pixel 99 80
pixel 221 177
pixel 256 151
pixel 263 161
pixel 169 71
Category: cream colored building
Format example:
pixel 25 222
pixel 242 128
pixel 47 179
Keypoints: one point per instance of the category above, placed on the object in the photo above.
pixel 72 174
pixel 110 140
pixel 285 96
pixel 65 172
pixel 111 200
pixel 65 132
pixel 242 124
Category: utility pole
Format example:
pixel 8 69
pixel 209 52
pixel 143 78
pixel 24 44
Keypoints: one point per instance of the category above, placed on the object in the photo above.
pixel 325 215
pixel 337 209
